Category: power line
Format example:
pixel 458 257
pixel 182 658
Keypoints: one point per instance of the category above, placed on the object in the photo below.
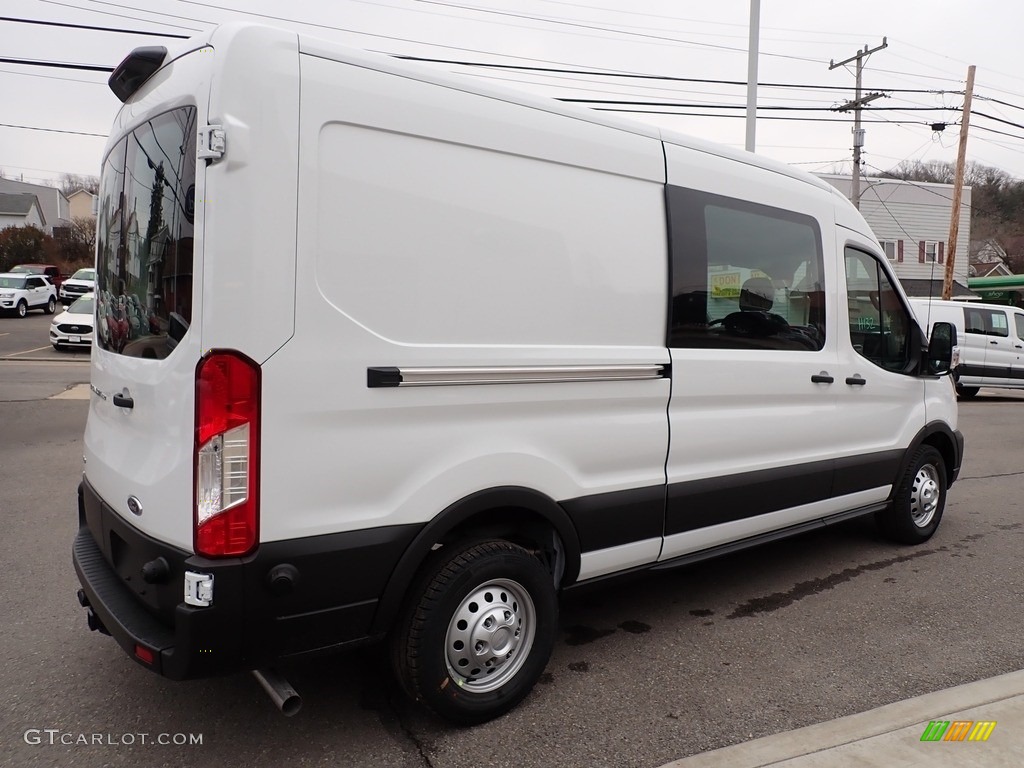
pixel 108 13
pixel 52 130
pixel 838 121
pixel 57 64
pixel 90 27
pixel 599 28
pixel 666 78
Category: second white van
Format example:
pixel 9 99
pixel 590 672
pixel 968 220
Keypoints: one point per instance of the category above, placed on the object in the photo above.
pixel 991 341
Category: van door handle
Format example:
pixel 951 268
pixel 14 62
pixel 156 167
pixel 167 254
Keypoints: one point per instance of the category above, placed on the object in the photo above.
pixel 822 378
pixel 856 381
pixel 993 342
pixel 123 401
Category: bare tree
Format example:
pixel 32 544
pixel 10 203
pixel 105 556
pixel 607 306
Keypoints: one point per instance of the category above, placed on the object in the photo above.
pixel 72 182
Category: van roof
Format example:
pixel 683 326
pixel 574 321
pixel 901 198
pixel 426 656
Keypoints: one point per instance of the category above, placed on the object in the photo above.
pixel 221 36
pixel 333 51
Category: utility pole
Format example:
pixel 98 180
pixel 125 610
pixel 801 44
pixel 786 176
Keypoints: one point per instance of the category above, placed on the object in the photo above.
pixel 958 187
pixel 856 105
pixel 752 54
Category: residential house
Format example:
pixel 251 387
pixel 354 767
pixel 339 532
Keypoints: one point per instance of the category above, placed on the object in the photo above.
pixel 911 221
pixel 82 205
pixel 52 203
pixel 988 259
pixel 20 210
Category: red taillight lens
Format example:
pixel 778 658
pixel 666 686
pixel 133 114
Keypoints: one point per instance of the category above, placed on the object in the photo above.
pixel 226 455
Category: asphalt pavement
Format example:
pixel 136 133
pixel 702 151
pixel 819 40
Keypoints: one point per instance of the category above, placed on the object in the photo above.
pixel 831 649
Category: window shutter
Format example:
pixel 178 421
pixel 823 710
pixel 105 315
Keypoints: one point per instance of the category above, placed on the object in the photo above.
pixel 899 251
pixel 920 251
pixel 941 247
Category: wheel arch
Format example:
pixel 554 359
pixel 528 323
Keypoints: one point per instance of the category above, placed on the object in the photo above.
pixel 520 515
pixel 938 435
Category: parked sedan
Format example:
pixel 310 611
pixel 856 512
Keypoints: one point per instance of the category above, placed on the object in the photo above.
pixel 73 326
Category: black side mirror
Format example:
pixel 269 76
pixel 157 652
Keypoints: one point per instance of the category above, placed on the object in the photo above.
pixel 940 348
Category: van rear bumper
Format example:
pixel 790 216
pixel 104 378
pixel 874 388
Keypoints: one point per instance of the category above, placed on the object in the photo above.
pixel 255 619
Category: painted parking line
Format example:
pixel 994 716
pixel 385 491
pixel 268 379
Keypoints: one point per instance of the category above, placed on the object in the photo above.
pixel 77 392
pixel 28 351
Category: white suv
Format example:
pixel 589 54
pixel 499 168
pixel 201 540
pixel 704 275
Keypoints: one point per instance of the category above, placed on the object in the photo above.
pixel 20 293
pixel 79 284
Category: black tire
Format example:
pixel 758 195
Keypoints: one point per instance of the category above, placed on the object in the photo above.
pixel 51 306
pixel 966 393
pixel 22 308
pixel 919 500
pixel 494 596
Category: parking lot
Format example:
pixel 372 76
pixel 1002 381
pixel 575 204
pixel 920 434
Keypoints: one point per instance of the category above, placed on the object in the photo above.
pixel 28 338
pixel 644 671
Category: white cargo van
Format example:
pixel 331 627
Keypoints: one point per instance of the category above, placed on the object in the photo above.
pixel 386 354
pixel 991 339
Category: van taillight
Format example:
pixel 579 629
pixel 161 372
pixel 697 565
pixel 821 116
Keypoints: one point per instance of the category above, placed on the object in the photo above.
pixel 226 515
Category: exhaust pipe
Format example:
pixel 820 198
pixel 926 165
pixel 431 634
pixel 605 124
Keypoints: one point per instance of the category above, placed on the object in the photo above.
pixel 285 697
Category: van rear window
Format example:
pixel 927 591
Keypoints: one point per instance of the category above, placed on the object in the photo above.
pixel 145 238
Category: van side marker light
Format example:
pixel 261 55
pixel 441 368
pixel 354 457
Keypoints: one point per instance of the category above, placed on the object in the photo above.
pixel 544 374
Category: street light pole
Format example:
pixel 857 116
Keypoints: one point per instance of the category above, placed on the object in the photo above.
pixel 752 54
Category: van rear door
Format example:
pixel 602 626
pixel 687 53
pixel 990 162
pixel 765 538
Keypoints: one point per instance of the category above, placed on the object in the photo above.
pixel 139 435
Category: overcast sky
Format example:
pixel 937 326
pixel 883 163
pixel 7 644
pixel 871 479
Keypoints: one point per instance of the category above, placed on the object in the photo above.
pixel 930 45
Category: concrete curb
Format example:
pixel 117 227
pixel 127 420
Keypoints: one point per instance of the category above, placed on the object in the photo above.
pixel 814 741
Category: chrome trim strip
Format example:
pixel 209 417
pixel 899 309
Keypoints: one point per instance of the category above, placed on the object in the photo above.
pixel 541 374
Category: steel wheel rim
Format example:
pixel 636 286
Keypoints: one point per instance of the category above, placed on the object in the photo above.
pixel 490 636
pixel 925 495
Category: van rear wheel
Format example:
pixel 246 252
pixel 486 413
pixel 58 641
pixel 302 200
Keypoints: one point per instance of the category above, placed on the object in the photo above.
pixel 919 501
pixel 477 631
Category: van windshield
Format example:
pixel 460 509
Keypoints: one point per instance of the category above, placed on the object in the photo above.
pixel 144 235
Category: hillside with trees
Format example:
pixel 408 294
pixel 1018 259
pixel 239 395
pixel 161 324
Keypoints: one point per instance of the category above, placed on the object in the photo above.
pixel 997 202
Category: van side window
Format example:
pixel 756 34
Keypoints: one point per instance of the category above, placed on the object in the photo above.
pixel 744 276
pixel 998 325
pixel 879 322
pixel 987 322
pixel 1019 321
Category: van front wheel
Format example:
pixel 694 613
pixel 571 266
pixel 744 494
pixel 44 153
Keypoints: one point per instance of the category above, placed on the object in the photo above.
pixel 966 393
pixel 477 631
pixel 919 501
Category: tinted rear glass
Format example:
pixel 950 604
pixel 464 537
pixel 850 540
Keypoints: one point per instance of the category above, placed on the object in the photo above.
pixel 144 238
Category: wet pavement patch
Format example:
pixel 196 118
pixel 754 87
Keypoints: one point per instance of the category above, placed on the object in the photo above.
pixel 778 600
pixel 580 666
pixel 635 627
pixel 580 635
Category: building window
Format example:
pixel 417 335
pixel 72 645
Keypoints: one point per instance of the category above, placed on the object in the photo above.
pixel 931 252
pixel 891 251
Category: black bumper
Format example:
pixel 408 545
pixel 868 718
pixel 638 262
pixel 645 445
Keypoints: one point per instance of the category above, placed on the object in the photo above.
pixel 290 598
